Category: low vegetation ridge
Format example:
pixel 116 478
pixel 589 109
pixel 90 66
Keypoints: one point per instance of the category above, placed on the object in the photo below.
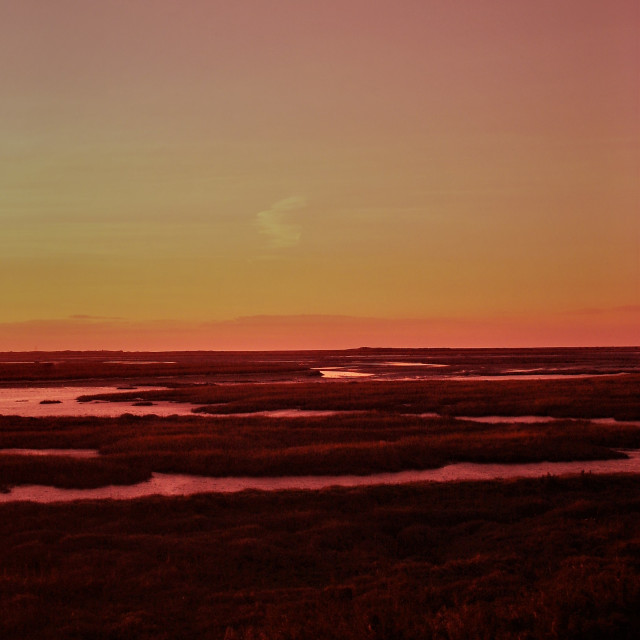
pixel 133 447
pixel 592 397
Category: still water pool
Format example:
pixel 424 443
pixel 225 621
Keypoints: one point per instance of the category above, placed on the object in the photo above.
pixel 41 402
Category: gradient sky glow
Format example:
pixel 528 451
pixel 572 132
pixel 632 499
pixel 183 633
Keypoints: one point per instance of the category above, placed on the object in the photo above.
pixel 335 173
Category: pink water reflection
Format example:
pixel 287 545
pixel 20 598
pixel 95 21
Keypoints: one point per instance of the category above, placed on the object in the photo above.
pixel 336 373
pixel 185 485
pixel 19 401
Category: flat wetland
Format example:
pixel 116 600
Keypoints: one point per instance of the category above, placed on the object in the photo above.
pixel 557 556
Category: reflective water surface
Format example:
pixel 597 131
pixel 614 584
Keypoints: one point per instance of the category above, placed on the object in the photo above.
pixel 28 402
pixel 388 371
pixel 339 373
pixel 414 364
pixel 184 485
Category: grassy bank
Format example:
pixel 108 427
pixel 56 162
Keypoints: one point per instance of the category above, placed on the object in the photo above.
pixel 593 397
pixel 133 447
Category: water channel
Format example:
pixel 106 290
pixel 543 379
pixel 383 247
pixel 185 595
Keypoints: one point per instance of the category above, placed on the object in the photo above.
pixel 184 485
pixel 42 402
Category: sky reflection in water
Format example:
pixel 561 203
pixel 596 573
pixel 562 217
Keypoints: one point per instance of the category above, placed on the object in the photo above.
pixel 184 485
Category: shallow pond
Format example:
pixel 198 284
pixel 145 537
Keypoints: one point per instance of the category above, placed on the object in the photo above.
pixel 185 485
pixel 61 401
pixel 341 373
pixel 389 371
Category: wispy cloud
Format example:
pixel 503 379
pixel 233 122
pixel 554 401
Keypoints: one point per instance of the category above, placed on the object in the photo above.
pixel 278 225
pixel 84 316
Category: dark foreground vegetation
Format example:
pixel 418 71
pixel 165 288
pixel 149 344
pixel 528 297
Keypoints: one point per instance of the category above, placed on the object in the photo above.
pixel 132 447
pixel 554 558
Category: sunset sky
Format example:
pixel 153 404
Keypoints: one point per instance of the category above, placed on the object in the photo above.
pixel 222 174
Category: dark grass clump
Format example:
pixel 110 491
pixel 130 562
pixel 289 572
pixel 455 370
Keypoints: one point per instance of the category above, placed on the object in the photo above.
pixel 69 473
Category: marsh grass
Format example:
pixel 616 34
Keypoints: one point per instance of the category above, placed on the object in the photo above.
pixel 555 558
pixel 59 471
pixel 597 397
pixel 133 447
pixel 64 367
pixel 547 558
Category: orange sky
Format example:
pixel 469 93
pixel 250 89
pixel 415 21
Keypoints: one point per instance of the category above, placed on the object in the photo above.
pixel 269 174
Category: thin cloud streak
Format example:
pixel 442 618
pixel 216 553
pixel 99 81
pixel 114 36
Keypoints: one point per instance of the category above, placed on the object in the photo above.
pixel 277 225
pixel 83 316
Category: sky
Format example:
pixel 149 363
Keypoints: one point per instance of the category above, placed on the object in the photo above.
pixel 287 174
